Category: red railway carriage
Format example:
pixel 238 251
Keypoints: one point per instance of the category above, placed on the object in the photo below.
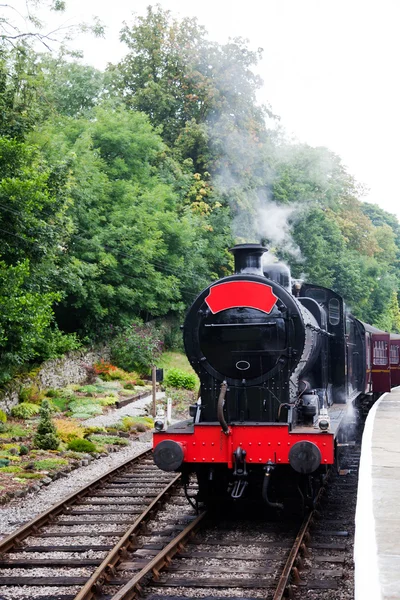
pixel 395 360
pixel 279 364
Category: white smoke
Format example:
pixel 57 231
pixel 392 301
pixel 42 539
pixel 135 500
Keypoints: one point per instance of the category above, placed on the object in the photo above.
pixel 274 224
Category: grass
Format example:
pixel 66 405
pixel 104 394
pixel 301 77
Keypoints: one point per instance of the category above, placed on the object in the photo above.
pixel 174 360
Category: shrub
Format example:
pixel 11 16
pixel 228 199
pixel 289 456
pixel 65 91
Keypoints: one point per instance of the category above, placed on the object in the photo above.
pixel 130 385
pixel 25 410
pixel 139 423
pixel 110 439
pixel 93 429
pixel 180 379
pixel 4 462
pixel 11 431
pixel 47 464
pixel 23 450
pixel 31 394
pixel 181 398
pixel 89 390
pixel 10 469
pixel 107 401
pixel 46 437
pixel 81 445
pixel 3 417
pixel 137 347
pixel 104 369
pixel 68 430
pixel 66 393
pixel 29 476
pixel 52 393
pixel 60 404
pixel 85 408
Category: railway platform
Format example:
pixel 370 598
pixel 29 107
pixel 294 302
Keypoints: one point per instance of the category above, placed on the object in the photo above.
pixel 377 535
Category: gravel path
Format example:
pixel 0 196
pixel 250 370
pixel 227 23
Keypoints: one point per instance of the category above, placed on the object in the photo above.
pixel 138 408
pixel 19 511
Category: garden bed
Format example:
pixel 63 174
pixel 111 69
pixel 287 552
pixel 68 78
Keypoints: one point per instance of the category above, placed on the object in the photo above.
pixel 32 456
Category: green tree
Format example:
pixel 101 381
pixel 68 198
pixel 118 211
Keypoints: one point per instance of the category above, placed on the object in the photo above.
pixel 34 226
pixel 138 248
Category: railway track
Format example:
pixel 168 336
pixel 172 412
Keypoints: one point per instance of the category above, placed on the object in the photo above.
pixel 55 555
pixel 254 558
pixel 133 533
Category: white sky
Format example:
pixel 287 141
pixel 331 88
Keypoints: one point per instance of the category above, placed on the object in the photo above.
pixel 330 70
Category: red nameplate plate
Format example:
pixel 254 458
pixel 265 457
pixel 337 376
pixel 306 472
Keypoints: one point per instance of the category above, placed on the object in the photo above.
pixel 236 294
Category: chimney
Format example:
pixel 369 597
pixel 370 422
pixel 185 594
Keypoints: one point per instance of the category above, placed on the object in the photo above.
pixel 248 258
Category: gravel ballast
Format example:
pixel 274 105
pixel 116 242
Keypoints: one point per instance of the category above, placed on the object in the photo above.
pixel 20 511
pixel 137 408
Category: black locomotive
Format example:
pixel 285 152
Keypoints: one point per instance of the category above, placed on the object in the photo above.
pixel 280 362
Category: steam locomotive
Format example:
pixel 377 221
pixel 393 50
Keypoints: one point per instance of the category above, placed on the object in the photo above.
pixel 281 365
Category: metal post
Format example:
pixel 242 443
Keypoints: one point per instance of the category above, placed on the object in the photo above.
pixel 153 381
pixel 169 411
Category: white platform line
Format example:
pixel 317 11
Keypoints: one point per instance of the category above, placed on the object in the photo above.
pixel 366 575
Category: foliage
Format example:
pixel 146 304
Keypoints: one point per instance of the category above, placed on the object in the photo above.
pixel 14 430
pixel 60 404
pixel 181 398
pixel 109 439
pixel 180 379
pixel 25 410
pixel 121 191
pixel 68 430
pixel 46 437
pixel 107 401
pixel 109 372
pixel 93 429
pixel 23 450
pixel 31 394
pixel 47 464
pixel 84 408
pixel 130 385
pixel 3 417
pixel 89 389
pixel 137 347
pixel 81 445
pixel 34 225
pixel 129 423
pixel 29 476
pixel 10 469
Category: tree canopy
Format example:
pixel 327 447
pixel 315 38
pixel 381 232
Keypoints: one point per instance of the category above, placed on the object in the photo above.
pixel 121 191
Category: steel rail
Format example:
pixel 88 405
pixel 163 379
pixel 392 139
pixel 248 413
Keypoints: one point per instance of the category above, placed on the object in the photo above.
pixel 106 570
pixel 133 588
pixel 14 539
pixel 290 569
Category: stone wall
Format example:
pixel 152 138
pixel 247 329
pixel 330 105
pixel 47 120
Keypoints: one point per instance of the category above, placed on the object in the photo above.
pixel 54 373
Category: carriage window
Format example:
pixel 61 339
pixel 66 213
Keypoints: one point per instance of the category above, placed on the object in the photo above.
pixel 334 311
pixel 394 354
pixel 380 353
